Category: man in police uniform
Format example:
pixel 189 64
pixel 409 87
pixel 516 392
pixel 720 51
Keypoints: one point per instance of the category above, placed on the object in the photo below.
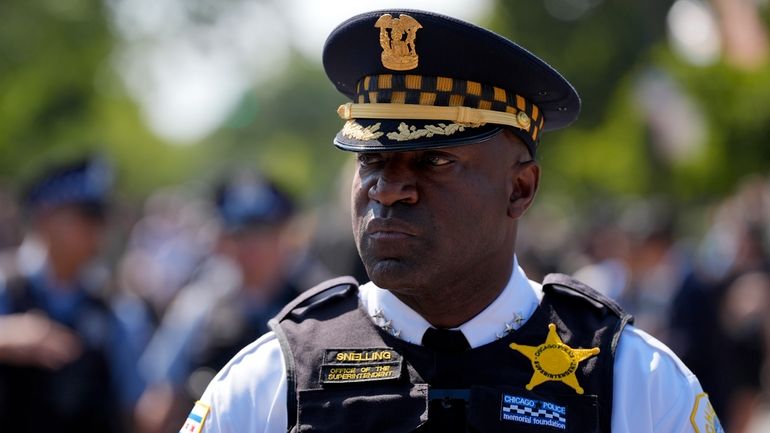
pixel 65 361
pixel 449 335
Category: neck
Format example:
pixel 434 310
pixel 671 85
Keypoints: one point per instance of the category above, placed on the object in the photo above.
pixel 459 301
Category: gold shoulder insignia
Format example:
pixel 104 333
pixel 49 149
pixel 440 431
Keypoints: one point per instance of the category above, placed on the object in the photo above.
pixel 554 360
pixel 397 41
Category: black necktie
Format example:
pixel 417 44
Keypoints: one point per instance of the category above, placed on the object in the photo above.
pixel 445 340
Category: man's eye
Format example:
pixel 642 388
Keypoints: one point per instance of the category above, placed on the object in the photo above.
pixel 365 159
pixel 437 160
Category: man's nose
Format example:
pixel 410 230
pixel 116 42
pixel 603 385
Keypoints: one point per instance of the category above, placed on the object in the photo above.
pixel 391 188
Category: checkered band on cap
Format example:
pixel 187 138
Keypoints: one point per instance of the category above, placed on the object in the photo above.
pixel 447 92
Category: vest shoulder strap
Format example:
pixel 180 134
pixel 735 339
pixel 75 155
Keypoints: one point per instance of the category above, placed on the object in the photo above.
pixel 308 300
pixel 565 283
pixel 315 296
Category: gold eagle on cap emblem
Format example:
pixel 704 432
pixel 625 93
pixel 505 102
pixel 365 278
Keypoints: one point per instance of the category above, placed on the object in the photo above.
pixel 397 41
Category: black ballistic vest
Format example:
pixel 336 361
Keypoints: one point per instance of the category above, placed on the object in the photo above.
pixel 345 374
pixel 76 398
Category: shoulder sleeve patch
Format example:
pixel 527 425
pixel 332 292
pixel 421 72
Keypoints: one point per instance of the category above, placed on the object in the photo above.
pixel 196 418
pixel 703 417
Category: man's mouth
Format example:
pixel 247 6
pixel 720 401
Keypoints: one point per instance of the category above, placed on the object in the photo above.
pixel 389 229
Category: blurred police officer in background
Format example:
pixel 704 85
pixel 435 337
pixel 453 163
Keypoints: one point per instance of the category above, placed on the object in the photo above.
pixel 248 278
pixel 720 317
pixel 64 362
pixel 450 335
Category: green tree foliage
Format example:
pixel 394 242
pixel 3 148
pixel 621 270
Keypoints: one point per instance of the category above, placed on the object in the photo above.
pixel 609 151
pixel 60 98
pixel 61 95
pixel 50 54
pixel 286 129
pixel 734 103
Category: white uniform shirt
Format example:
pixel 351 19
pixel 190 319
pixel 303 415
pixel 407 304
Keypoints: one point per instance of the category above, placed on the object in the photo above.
pixel 653 390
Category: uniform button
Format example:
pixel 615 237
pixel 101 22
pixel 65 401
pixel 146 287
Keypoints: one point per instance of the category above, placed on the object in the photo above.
pixel 523 119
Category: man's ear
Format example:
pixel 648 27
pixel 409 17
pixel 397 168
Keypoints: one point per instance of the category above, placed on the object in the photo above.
pixel 525 179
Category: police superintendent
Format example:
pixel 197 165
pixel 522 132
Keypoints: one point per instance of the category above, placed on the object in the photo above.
pixel 449 335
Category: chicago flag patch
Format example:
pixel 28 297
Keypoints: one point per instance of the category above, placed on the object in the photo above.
pixel 196 418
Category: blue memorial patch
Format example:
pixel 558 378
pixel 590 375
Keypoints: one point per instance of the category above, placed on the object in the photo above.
pixel 534 412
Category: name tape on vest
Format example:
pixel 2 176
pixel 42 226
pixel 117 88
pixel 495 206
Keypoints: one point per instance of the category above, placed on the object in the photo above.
pixel 360 365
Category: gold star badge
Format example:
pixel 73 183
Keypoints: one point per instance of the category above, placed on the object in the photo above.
pixel 554 360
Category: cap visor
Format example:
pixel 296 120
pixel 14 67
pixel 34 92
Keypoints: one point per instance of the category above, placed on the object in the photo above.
pixel 368 135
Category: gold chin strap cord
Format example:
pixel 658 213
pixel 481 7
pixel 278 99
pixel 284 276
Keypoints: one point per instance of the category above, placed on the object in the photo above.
pixel 458 114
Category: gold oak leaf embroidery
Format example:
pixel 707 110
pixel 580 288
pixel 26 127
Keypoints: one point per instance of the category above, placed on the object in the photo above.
pixel 356 131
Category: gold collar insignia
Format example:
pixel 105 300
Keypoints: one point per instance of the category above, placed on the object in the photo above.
pixel 397 41
pixel 554 360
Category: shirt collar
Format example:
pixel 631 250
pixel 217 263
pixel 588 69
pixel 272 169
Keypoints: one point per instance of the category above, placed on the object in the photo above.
pixel 511 309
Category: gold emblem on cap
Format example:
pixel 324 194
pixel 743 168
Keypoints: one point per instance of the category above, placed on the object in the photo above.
pixel 554 360
pixel 523 119
pixel 397 41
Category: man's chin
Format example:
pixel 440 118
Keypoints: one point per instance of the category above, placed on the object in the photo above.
pixel 393 273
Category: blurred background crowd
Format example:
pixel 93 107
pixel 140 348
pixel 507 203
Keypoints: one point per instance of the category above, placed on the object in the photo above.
pixel 167 182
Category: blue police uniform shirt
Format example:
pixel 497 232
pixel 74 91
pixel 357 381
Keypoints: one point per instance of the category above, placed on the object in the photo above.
pixel 5 308
pixel 63 305
pixel 653 390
